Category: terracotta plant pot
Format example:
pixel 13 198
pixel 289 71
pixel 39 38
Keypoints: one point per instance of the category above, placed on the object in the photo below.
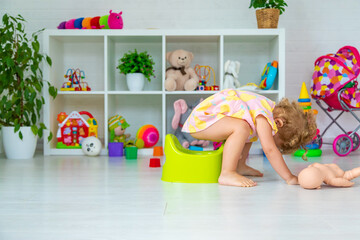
pixel 267 18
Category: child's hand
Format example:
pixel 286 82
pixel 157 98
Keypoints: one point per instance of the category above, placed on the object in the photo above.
pixel 293 180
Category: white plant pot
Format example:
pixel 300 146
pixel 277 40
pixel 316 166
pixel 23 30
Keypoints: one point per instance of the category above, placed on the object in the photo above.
pixel 135 81
pixel 14 147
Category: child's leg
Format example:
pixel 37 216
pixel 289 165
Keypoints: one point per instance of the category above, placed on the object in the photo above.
pixel 244 169
pixel 235 132
pixel 351 174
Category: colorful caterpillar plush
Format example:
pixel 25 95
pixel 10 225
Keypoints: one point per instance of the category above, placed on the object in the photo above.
pixel 111 21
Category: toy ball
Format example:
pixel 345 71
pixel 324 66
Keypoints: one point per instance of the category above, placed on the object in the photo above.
pixel 149 134
pixel 91 146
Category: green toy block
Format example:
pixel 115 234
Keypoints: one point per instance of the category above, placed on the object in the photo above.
pixel 131 152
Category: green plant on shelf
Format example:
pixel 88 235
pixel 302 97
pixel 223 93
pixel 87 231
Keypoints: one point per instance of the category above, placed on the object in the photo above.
pixel 134 62
pixel 262 4
pixel 21 78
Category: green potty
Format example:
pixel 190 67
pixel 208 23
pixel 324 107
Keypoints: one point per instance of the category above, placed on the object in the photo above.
pixel 185 166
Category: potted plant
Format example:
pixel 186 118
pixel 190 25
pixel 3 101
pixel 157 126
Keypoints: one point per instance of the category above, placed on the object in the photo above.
pixel 136 66
pixel 268 14
pixel 21 86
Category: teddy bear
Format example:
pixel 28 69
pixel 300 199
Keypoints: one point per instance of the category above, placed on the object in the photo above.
pixel 180 76
pixel 231 69
pixel 181 113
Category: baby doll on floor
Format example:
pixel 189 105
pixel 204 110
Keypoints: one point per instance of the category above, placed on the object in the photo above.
pixel 314 175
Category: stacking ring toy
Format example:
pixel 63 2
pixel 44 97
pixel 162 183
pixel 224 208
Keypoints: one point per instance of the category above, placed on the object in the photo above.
pixel 149 134
pixel 310 153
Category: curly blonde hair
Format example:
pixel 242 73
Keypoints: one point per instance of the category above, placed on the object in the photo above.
pixel 298 129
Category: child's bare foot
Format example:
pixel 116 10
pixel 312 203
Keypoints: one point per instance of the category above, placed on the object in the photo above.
pixel 234 179
pixel 249 171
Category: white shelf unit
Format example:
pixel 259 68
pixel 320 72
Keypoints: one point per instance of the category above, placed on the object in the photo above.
pixel 97 52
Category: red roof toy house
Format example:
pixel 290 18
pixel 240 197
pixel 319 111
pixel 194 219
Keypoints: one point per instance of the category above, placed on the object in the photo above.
pixel 73 129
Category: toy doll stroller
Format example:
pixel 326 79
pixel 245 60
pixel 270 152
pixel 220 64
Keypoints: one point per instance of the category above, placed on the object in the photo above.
pixel 335 84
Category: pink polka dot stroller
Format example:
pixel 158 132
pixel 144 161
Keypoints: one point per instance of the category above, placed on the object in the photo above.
pixel 334 88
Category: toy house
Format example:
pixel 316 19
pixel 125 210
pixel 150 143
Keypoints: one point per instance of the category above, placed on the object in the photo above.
pixel 73 129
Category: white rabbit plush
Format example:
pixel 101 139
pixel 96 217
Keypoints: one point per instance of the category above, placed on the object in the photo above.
pixel 231 69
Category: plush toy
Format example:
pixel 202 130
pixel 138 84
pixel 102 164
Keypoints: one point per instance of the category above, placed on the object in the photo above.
pixel 180 76
pixel 91 146
pixel 111 21
pixel 182 112
pixel 314 175
pixel 115 20
pixel 117 126
pixel 231 74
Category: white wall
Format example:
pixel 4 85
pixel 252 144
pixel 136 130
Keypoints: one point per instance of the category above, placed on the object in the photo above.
pixel 313 28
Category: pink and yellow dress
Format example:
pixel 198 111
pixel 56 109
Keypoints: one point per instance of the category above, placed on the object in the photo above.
pixel 233 103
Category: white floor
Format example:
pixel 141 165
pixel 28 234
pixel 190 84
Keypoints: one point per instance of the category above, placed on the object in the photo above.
pixel 65 198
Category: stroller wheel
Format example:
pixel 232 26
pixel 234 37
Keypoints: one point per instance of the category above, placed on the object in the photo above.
pixel 342 145
pixel 356 140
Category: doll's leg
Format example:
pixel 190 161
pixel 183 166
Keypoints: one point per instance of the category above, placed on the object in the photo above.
pixel 351 174
pixel 235 132
pixel 244 169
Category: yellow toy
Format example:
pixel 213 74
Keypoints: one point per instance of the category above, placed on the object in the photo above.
pixel 185 166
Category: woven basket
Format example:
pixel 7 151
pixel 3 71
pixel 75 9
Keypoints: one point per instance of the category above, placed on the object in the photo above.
pixel 267 18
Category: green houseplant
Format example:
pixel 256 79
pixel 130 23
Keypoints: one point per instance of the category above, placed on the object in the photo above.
pixel 136 66
pixel 21 84
pixel 268 13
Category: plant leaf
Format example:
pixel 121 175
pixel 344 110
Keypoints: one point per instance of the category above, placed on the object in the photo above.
pixel 34 129
pixel 49 61
pixel 20 135
pixel 50 137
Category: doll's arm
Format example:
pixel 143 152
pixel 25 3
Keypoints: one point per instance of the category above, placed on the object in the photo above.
pixel 339 182
pixel 271 151
pixel 351 174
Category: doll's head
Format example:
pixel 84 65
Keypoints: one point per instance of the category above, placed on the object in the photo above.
pixel 310 178
pixel 296 128
pixel 117 125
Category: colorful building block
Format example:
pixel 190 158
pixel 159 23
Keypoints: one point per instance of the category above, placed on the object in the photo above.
pixel 154 162
pixel 158 151
pixel 131 152
pixel 116 149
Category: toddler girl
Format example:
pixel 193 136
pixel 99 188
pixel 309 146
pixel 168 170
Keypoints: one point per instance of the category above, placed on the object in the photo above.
pixel 240 118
